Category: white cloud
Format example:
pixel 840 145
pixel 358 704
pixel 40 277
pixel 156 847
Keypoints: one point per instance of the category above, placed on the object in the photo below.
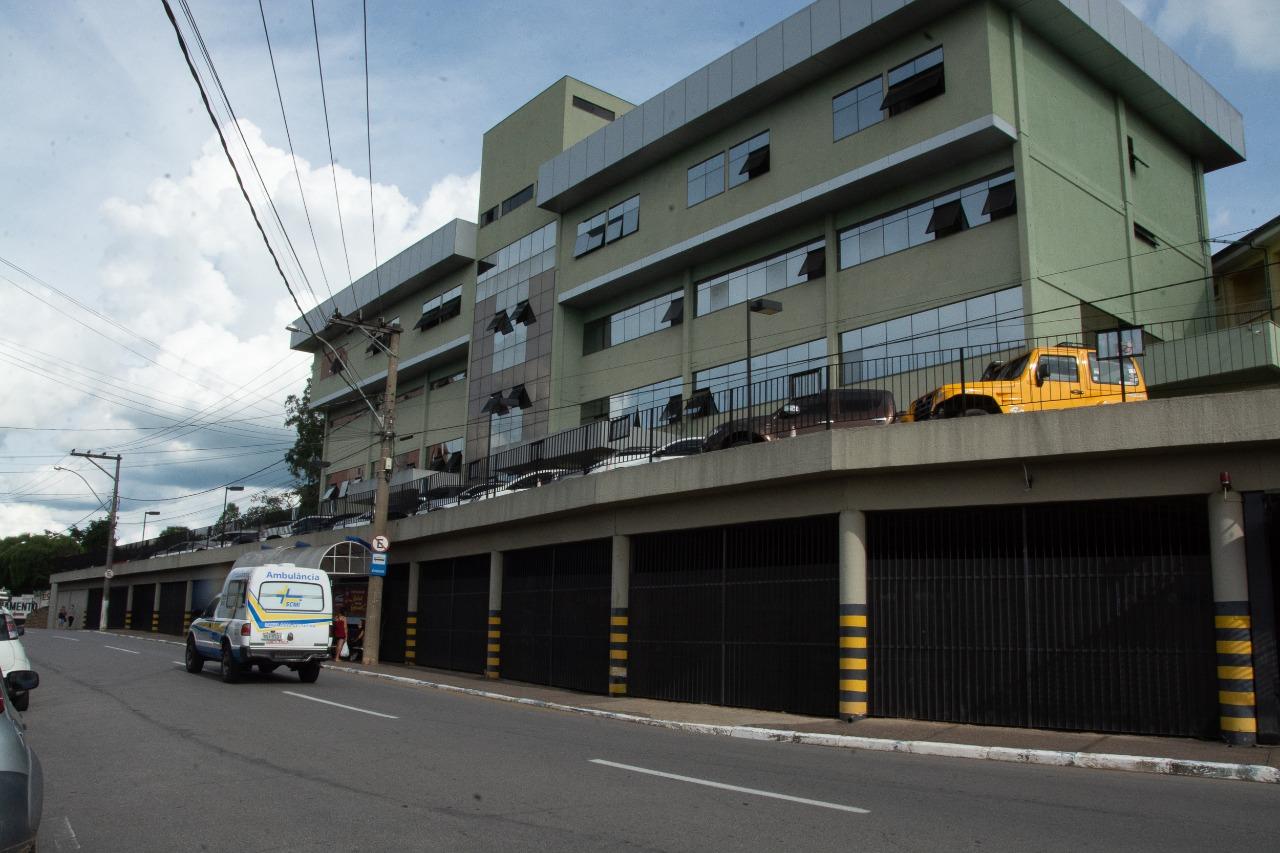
pixel 1251 28
pixel 185 267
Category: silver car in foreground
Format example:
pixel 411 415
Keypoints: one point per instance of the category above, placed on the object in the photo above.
pixel 21 780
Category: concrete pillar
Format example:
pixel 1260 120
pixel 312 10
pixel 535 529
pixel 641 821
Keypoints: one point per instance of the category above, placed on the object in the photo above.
pixel 128 608
pixel 493 658
pixel 619 618
pixel 52 619
pixel 187 617
pixel 411 615
pixel 155 610
pixel 854 682
pixel 1237 712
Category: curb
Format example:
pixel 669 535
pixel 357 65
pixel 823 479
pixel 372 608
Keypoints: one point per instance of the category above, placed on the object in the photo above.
pixel 1046 757
pixel 1052 758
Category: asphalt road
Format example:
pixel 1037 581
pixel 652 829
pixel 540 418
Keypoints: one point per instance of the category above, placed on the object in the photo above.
pixel 140 756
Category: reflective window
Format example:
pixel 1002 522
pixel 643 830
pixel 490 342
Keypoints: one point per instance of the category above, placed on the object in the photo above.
pixel 1061 368
pixel 445 456
pixel 706 179
pixel 749 159
pixel 653 315
pixel 987 323
pixel 858 108
pixel 775 375
pixel 647 402
pixel 613 224
pixel 785 269
pixel 505 428
pixel 516 263
pixel 912 83
pixel 947 214
pixel 437 310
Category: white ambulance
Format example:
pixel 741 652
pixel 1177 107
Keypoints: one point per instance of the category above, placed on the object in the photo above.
pixel 266 616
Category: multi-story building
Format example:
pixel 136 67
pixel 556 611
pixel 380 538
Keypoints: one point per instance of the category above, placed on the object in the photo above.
pixel 872 194
pixel 902 177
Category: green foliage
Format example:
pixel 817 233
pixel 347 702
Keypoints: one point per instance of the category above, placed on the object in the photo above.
pixel 265 511
pixel 177 532
pixel 27 560
pixel 229 517
pixel 94 537
pixel 307 446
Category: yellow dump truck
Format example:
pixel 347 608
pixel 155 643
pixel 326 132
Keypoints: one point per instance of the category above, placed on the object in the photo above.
pixel 1064 376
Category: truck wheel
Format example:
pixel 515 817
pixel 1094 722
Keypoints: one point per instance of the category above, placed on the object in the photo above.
pixel 230 666
pixel 21 701
pixel 309 672
pixel 968 413
pixel 195 663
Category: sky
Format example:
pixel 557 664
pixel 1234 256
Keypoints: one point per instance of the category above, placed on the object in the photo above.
pixel 146 317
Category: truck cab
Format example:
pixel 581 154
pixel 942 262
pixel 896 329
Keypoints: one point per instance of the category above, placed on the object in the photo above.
pixel 1064 376
pixel 266 616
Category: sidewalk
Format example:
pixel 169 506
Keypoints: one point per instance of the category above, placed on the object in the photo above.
pixel 1177 756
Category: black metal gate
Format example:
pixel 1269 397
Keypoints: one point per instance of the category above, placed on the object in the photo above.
pixel 555 615
pixel 744 616
pixel 144 604
pixel 93 610
pixel 395 607
pixel 1092 616
pixel 453 613
pixel 173 598
pixel 117 605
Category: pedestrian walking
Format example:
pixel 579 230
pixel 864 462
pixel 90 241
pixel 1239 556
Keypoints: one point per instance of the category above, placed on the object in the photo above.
pixel 71 617
pixel 62 617
pixel 339 633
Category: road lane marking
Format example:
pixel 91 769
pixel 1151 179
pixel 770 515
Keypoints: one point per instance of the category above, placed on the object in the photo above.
pixel 722 786
pixel 126 651
pixel 339 705
pixel 178 662
pixel 68 639
pixel 64 837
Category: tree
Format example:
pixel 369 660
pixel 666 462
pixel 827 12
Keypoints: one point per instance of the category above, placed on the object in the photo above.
pixel 27 560
pixel 176 532
pixel 265 511
pixel 94 537
pixel 229 517
pixel 303 457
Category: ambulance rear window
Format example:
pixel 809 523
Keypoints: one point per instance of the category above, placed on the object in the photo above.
pixel 291 595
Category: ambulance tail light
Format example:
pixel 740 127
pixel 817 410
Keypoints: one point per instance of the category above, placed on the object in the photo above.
pixel 244 630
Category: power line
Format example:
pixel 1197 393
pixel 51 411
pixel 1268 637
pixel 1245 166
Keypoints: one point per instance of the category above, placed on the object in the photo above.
pixel 293 156
pixel 368 138
pixel 333 169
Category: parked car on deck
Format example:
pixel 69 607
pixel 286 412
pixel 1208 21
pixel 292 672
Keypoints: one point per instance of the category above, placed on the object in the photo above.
pixel 1065 376
pixel 835 408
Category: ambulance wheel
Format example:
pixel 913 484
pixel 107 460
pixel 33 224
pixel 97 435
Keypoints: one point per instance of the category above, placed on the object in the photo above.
pixel 230 666
pixel 195 663
pixel 309 672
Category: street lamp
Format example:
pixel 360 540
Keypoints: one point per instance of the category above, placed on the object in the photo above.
pixel 101 503
pixel 144 521
pixel 222 519
pixel 767 307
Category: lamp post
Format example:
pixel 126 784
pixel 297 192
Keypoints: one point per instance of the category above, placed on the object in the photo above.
pixel 767 307
pixel 144 522
pixel 222 519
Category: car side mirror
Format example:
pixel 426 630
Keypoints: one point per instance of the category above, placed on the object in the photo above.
pixel 22 679
pixel 1042 372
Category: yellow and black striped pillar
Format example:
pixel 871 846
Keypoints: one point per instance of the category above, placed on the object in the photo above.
pixel 187 619
pixel 1237 712
pixel 411 638
pixel 619 631
pixel 128 618
pixel 493 658
pixel 155 621
pixel 853 660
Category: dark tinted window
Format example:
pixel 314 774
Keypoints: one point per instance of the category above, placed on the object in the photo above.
pixel 1062 368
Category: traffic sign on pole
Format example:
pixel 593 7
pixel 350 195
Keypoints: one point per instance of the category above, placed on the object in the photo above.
pixel 381 544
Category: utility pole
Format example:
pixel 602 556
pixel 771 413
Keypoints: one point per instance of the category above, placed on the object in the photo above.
pixel 389 337
pixel 111 527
